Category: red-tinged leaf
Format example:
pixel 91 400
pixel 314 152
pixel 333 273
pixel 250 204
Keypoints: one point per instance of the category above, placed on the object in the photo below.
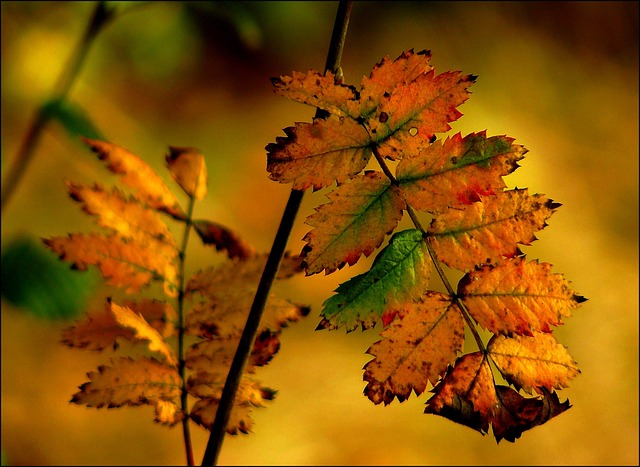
pixel 388 74
pixel 129 382
pixel 317 90
pixel 127 217
pixel 467 393
pixel 354 223
pixel 137 174
pixel 123 264
pixel 188 169
pixel 410 116
pixel 517 297
pixel 457 171
pixel 319 153
pixel 400 273
pixel 516 414
pixel 485 232
pixel 534 362
pixel 142 330
pixel 415 350
pixel 223 238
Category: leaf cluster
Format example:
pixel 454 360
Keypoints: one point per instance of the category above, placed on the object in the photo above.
pixel 476 227
pixel 191 330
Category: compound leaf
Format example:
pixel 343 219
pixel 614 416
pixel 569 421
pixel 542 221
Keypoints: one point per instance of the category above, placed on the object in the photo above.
pixel 533 362
pixel 517 297
pixel 487 231
pixel 416 349
pixel 399 273
pixel 354 223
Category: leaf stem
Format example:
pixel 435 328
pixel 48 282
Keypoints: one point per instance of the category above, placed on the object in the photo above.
pixel 100 17
pixel 232 383
pixel 181 334
pixel 434 259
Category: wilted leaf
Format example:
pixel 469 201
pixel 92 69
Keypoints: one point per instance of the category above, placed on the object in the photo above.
pixel 533 362
pixel 487 231
pixel 188 169
pixel 354 223
pixel 467 394
pixel 416 349
pixel 223 238
pixel 399 273
pixel 517 297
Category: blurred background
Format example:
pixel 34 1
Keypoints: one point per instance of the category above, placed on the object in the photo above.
pixel 559 77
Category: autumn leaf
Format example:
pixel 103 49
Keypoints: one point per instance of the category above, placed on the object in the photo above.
pixel 401 120
pixel 138 175
pixel 399 273
pixel 131 382
pixel 354 223
pixel 466 395
pixel 457 171
pixel 485 232
pixel 319 153
pixel 127 217
pixel 122 263
pixel 517 297
pixel 126 317
pixel 188 169
pixel 416 349
pixel 533 362
pixel 168 412
pixel 516 414
pixel 223 238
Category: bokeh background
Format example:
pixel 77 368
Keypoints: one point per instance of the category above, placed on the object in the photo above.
pixel 559 77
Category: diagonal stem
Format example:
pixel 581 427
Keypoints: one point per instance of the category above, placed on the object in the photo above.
pixel 232 383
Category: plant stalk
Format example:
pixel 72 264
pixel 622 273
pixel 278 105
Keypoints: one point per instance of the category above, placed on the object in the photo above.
pixel 100 17
pixel 249 333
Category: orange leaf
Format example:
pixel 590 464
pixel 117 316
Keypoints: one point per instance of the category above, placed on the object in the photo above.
pixel 123 264
pixel 137 174
pixel 319 153
pixel 142 329
pixel 533 362
pixel 457 171
pixel 129 382
pixel 223 238
pixel 188 169
pixel 487 231
pixel 354 223
pixel 168 412
pixel 415 350
pixel 467 393
pixel 517 297
pixel 127 217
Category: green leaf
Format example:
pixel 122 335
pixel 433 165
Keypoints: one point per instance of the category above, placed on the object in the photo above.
pixel 35 280
pixel 72 117
pixel 399 273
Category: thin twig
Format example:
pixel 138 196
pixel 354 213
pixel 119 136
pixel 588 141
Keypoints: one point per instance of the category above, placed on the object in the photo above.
pixel 232 383
pixel 100 17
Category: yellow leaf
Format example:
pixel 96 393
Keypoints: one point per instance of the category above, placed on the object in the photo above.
pixel 533 362
pixel 188 169
pixel 143 330
pixel 168 412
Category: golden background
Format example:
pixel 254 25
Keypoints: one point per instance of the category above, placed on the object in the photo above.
pixel 559 77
